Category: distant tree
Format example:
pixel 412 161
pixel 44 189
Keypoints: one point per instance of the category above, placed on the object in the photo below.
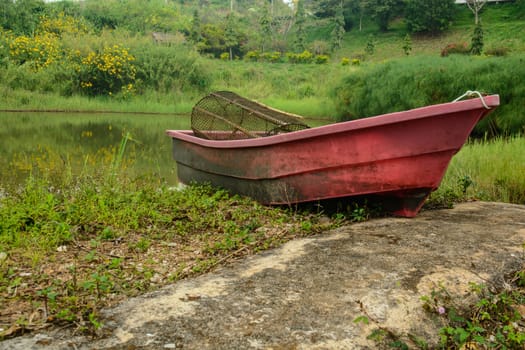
pixel 101 14
pixel 212 40
pixel 358 9
pixel 475 6
pixel 407 45
pixel 230 34
pixel 328 9
pixel 520 9
pixel 71 8
pixel 195 31
pixel 477 40
pixel 21 16
pixel 324 8
pixel 361 9
pixel 370 46
pixel 265 22
pixel 383 11
pixel 7 14
pixel 300 34
pixel 431 16
pixel 339 27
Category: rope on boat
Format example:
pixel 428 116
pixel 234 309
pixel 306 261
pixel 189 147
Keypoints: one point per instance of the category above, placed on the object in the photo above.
pixel 470 93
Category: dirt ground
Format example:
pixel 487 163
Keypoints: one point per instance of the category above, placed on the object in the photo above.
pixel 308 293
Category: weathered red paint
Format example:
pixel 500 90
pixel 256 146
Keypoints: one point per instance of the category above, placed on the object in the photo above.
pixel 401 157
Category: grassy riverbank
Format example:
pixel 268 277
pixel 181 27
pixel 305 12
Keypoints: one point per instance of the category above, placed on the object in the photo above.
pixel 71 245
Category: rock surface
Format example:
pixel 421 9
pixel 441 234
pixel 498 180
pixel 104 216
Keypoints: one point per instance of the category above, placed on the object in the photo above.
pixel 307 294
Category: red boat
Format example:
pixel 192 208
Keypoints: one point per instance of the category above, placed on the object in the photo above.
pixel 398 157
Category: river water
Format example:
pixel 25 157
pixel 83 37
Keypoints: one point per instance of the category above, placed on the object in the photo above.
pixel 55 142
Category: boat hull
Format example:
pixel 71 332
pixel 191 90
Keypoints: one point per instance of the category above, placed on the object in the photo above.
pixel 399 157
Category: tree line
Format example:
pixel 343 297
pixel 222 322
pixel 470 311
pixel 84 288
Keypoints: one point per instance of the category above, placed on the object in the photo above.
pixel 236 27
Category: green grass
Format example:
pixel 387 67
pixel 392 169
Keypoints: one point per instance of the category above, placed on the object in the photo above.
pixel 407 83
pixel 487 170
pixel 303 89
pixel 149 102
pixel 74 244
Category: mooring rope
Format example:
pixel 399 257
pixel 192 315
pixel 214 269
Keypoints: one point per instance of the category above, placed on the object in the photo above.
pixel 473 93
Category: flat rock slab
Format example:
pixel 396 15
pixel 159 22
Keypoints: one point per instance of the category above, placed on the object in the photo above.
pixel 307 294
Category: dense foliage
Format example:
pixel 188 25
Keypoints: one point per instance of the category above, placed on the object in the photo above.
pixel 414 82
pixel 21 16
pixel 216 27
pixel 383 11
pixel 432 16
pixel 65 55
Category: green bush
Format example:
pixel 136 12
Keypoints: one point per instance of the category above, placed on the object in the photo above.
pixel 252 56
pixel 499 51
pixel 429 16
pixel 4 47
pixel 519 10
pixel 304 57
pixel 60 78
pixel 414 82
pixel 17 76
pixel 38 50
pixel 109 72
pixel 172 68
pixel 272 57
pixel 321 59
pixel 477 40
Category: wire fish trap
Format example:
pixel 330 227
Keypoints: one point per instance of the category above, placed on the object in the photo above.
pixel 224 115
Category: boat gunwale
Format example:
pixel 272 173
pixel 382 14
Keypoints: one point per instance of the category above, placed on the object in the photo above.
pixel 336 128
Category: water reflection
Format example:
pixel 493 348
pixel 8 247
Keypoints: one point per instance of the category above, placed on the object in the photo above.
pixel 55 142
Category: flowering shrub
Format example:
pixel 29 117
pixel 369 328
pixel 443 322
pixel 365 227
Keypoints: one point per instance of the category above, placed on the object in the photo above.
pixel 304 57
pixel 98 73
pixel 252 55
pixel 272 57
pixel 321 59
pixel 62 24
pixel 345 61
pixel 109 72
pixel 40 51
pixel 225 56
pixel 44 48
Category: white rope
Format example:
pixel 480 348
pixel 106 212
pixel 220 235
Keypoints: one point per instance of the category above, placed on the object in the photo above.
pixel 470 93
